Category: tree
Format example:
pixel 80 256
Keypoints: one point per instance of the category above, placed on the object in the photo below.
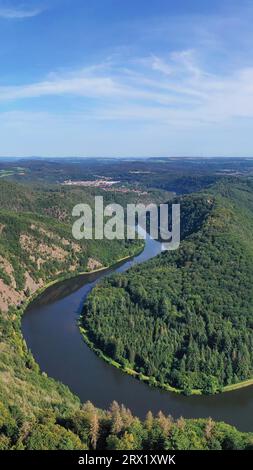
pixel 94 429
pixel 165 423
pixel 149 421
pixel 209 428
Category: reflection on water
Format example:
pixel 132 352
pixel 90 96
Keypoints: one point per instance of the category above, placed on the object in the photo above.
pixel 67 287
pixel 51 332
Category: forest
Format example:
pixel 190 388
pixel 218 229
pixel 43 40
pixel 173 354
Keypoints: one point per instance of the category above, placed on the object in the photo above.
pixel 36 241
pixel 37 412
pixel 183 175
pixel 184 318
pixel 116 429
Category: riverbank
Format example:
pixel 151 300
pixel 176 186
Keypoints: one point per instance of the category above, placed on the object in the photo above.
pixel 152 381
pixel 72 275
pixel 237 386
pixel 50 328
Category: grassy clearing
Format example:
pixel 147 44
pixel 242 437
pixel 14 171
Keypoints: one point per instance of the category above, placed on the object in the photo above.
pixel 15 171
pixel 243 384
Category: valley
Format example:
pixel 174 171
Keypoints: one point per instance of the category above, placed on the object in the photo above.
pixel 36 249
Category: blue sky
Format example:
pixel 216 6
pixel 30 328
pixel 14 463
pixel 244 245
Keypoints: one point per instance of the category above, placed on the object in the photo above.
pixel 126 77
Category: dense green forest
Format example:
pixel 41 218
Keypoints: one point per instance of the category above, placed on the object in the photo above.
pixel 185 317
pixel 36 412
pixel 115 429
pixel 36 242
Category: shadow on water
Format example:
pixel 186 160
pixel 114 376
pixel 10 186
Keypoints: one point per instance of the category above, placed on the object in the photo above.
pixel 50 329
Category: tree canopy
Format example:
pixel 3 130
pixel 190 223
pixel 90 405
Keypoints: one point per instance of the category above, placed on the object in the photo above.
pixel 185 317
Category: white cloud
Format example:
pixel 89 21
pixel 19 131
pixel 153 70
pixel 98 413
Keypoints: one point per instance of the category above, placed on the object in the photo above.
pixel 197 99
pixel 79 85
pixel 18 13
pixel 176 91
pixel 93 83
pixel 160 65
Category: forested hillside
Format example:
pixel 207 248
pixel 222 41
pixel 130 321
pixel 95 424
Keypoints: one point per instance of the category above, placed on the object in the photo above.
pixel 184 319
pixel 36 242
pixel 37 412
pixel 87 427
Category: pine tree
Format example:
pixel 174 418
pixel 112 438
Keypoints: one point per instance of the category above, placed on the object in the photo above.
pixel 117 422
pixel 181 423
pixel 165 423
pixel 94 430
pixel 149 421
pixel 209 428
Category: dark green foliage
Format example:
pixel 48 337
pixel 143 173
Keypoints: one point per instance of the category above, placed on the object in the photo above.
pixel 37 412
pixel 42 216
pixel 185 318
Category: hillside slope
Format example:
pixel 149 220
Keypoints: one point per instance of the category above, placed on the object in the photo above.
pixel 37 412
pixel 185 318
pixel 36 242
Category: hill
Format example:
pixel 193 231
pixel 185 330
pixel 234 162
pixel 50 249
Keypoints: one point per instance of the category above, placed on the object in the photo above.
pixel 36 242
pixel 184 319
pixel 37 412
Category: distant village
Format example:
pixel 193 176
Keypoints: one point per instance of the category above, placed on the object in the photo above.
pixel 106 184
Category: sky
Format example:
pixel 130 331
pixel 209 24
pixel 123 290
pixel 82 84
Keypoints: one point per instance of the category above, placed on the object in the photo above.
pixel 126 78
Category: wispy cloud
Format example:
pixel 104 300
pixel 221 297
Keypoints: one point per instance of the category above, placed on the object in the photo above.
pixel 18 13
pixel 175 90
pixel 184 85
pixel 99 82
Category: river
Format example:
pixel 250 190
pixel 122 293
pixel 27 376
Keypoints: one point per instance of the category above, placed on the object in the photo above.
pixel 50 329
